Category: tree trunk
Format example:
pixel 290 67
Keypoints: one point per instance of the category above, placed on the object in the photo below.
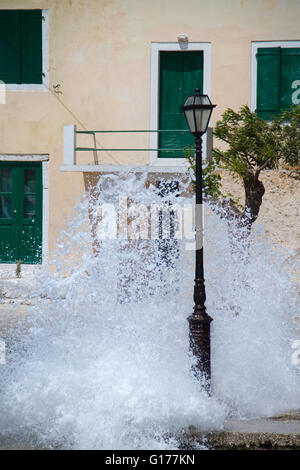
pixel 226 208
pixel 254 191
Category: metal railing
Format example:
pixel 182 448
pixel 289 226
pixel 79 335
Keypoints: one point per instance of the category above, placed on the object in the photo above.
pixel 95 149
pixel 71 147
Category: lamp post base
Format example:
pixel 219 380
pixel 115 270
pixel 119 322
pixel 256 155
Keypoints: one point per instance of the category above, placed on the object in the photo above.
pixel 200 344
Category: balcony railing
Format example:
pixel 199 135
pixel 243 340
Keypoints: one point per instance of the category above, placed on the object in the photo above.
pixel 71 148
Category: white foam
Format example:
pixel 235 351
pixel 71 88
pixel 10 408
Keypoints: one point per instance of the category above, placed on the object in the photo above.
pixel 105 363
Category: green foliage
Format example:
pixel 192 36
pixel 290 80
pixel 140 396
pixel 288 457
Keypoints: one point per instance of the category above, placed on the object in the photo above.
pixel 211 181
pixel 252 143
pixel 290 131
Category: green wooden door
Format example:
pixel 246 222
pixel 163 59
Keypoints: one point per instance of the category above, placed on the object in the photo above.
pixel 20 212
pixel 180 73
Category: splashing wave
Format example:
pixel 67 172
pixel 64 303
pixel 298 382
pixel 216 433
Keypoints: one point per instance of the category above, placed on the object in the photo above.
pixel 104 361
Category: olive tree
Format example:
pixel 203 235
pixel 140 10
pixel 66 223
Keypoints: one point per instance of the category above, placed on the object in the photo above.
pixel 250 145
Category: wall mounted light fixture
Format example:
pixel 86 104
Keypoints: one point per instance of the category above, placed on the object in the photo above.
pixel 183 41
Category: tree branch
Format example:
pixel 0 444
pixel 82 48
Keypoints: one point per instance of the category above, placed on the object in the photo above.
pixel 264 165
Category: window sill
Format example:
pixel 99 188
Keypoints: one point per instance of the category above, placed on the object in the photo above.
pixel 27 87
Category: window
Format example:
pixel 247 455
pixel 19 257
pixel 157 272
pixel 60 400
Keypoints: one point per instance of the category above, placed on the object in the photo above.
pixel 21 46
pixel 278 79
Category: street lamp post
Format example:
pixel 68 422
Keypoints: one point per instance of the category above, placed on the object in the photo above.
pixel 198 109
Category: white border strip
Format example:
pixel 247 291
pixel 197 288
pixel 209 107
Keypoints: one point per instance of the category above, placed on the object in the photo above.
pixel 45 52
pixel 255 45
pixel 156 47
pixel 44 158
pixel 122 168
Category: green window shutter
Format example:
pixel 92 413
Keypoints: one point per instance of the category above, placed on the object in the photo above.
pixel 10 70
pixel 268 81
pixel 180 74
pixel 290 77
pixel 31 39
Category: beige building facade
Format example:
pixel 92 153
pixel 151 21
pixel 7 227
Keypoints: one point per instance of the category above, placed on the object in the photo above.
pixel 100 70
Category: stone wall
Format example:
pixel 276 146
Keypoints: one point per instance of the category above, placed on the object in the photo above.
pixel 280 210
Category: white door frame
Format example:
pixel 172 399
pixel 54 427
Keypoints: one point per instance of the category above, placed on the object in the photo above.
pixel 44 158
pixel 156 47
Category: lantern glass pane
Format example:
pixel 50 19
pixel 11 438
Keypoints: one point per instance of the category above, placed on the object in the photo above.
pixel 189 101
pixel 205 99
pixel 189 115
pixel 202 118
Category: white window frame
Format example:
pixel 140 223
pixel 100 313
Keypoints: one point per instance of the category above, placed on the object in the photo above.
pixel 156 47
pixel 256 45
pixel 44 158
pixel 45 57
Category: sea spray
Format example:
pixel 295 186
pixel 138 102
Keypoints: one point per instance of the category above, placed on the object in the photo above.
pixel 104 360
